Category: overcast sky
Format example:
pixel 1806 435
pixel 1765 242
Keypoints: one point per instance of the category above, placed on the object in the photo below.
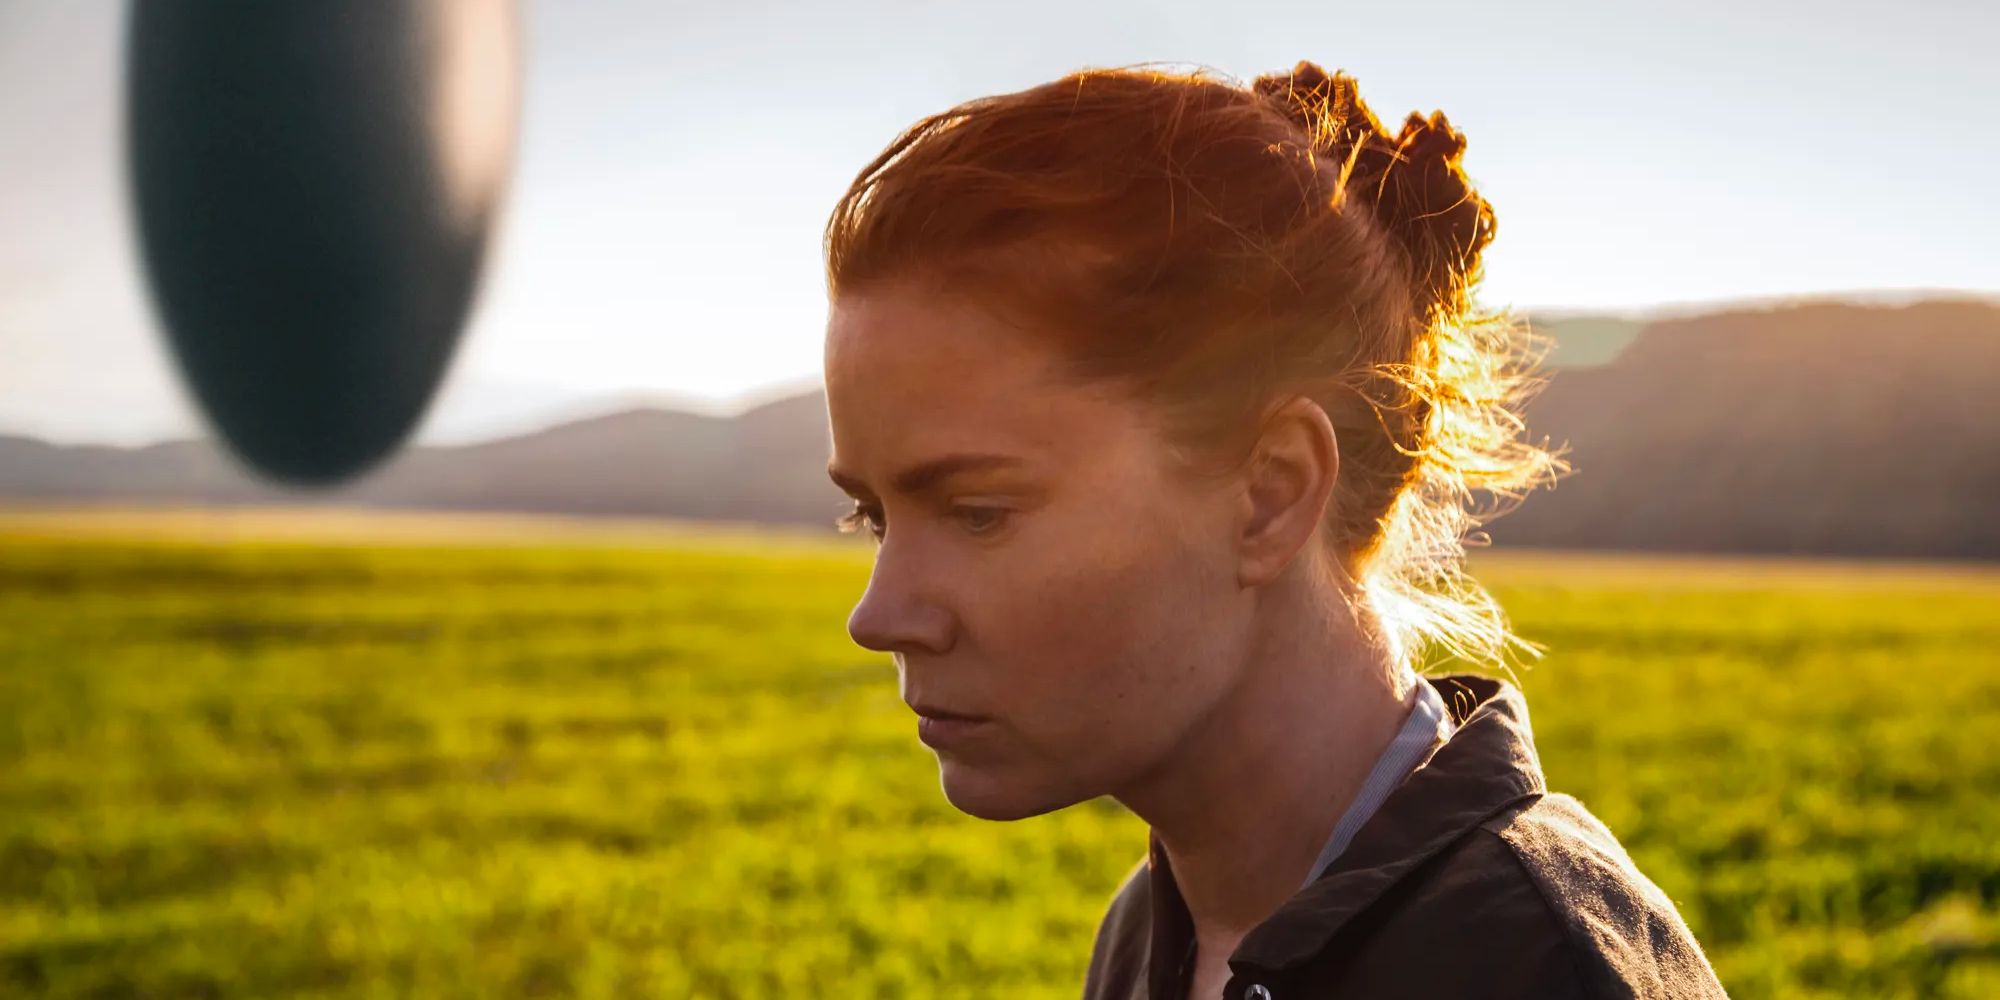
pixel 677 162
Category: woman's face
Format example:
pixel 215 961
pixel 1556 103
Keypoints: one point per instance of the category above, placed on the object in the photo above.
pixel 1044 563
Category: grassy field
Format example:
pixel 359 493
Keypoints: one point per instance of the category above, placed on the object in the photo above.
pixel 241 759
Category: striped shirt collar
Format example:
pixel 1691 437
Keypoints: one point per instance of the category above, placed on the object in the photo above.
pixel 1425 729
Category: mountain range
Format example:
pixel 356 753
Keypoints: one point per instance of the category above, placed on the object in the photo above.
pixel 1815 427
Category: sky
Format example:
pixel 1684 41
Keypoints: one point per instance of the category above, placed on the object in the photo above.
pixel 659 243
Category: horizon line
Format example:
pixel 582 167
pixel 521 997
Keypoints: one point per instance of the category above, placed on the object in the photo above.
pixel 612 402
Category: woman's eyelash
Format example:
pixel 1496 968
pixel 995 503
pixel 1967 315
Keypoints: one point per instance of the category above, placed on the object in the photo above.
pixel 855 520
pixel 991 518
pixel 978 520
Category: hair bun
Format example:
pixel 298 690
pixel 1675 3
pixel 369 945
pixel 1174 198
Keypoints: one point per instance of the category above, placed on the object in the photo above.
pixel 1413 182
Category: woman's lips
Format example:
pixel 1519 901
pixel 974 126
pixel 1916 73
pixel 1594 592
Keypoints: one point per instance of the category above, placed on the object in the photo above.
pixel 941 732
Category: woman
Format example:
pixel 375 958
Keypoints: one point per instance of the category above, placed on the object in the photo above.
pixel 1165 398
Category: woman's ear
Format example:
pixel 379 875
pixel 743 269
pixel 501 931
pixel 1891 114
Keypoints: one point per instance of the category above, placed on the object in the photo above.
pixel 1287 484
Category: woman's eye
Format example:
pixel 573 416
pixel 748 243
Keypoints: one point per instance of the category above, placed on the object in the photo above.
pixel 981 520
pixel 862 517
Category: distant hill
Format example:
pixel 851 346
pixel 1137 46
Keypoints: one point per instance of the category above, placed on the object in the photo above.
pixel 1587 341
pixel 1804 428
pixel 1814 428
pixel 767 465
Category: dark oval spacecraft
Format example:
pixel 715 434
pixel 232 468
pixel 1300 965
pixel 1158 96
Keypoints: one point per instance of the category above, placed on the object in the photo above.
pixel 315 183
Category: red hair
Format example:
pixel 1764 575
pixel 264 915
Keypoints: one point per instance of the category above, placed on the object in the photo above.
pixel 1221 248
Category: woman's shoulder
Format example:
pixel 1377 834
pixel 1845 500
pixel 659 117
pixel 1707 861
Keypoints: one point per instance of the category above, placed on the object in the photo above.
pixel 1625 935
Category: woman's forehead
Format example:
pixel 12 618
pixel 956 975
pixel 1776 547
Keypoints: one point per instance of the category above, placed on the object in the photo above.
pixel 932 354
pixel 906 325
pixel 911 376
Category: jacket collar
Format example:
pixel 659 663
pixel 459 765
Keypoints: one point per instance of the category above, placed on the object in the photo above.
pixel 1488 765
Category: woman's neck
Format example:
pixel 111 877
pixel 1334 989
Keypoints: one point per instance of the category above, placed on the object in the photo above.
pixel 1245 803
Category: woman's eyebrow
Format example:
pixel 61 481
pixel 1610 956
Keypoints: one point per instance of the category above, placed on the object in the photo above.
pixel 924 476
pixel 848 484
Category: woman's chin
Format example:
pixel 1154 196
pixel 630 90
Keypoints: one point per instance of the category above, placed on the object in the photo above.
pixel 981 793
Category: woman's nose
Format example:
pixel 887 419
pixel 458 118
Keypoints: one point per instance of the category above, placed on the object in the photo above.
pixel 897 614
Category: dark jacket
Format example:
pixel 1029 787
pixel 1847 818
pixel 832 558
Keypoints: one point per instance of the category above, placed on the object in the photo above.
pixel 1471 880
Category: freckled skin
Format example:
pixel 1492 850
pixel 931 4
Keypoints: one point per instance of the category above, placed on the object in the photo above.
pixel 1100 620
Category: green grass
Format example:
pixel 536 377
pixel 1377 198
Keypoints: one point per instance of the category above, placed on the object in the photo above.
pixel 471 768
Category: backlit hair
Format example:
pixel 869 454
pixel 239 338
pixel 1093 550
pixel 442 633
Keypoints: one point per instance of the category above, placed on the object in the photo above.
pixel 1221 248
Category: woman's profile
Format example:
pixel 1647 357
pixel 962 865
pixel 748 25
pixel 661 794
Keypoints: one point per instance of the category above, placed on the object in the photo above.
pixel 1167 400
